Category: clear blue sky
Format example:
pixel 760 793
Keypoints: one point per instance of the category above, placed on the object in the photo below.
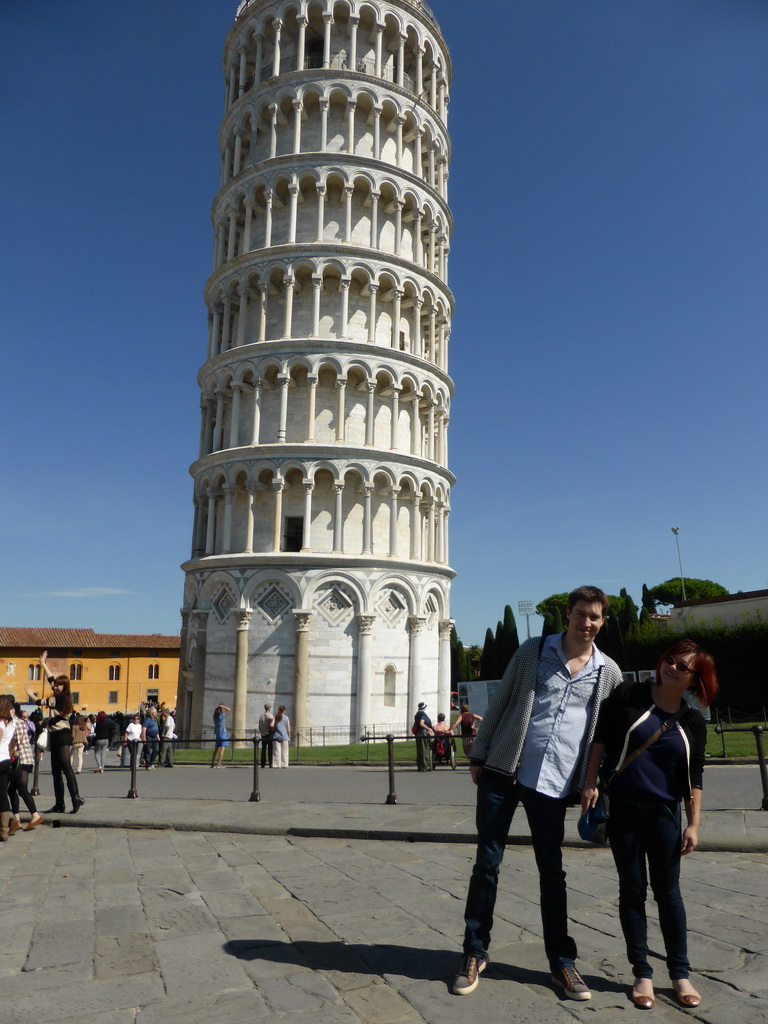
pixel 609 347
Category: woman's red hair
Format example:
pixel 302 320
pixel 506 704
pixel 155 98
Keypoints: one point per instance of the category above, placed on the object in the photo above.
pixel 704 686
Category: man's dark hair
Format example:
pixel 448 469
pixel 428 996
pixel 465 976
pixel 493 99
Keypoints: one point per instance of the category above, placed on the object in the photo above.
pixel 592 595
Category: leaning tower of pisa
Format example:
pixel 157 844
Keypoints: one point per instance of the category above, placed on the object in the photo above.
pixel 319 574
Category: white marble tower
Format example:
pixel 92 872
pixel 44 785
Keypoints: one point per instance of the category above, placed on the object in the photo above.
pixel 319 573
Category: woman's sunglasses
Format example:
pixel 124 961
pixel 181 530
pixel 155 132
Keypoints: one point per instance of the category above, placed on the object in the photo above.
pixel 679 665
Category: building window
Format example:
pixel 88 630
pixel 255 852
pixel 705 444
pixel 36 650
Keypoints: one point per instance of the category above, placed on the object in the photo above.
pixel 390 686
pixel 154 671
pixel 114 673
pixel 294 533
pixel 112 697
pixel 75 671
pixel 74 696
pixel 33 673
pixel 153 696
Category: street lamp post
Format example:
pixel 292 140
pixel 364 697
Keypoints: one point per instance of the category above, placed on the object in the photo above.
pixel 676 531
pixel 526 608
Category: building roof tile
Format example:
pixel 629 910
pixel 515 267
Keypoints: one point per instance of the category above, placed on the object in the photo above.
pixel 44 637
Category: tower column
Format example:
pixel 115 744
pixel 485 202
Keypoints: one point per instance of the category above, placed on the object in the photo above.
pixel 444 664
pixel 301 671
pixel 312 382
pixel 234 422
pixel 306 540
pixel 226 542
pixel 241 678
pixel 284 380
pixel 338 524
pixel 372 289
pixel 277 521
pixel 415 627
pixel 365 637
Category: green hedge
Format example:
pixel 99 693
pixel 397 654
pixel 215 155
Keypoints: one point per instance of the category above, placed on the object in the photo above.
pixel 739 653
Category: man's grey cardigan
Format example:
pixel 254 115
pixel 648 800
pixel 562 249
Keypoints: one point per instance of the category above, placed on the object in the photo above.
pixel 500 737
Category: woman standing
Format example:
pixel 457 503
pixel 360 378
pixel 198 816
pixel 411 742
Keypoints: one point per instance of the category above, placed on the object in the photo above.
pixel 79 740
pixel 102 733
pixel 468 727
pixel 221 736
pixel 21 768
pixel 7 749
pixel 281 738
pixel 59 738
pixel 649 743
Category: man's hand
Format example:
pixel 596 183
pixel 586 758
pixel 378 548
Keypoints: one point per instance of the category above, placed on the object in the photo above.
pixel 475 770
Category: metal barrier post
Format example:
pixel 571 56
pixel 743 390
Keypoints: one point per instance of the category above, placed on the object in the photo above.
pixel 758 733
pixel 133 793
pixel 36 776
pixel 255 793
pixel 298 747
pixel 392 795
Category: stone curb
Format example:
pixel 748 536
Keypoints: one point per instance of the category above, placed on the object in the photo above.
pixel 720 844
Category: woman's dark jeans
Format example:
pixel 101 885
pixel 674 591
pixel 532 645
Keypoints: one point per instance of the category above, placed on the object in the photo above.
pixel 649 830
pixel 17 787
pixel 61 768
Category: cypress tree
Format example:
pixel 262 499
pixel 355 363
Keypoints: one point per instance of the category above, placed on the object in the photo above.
pixel 487 661
pixel 549 625
pixel 510 641
pixel 648 602
pixel 628 617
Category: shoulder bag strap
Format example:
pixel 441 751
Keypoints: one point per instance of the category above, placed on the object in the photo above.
pixel 651 740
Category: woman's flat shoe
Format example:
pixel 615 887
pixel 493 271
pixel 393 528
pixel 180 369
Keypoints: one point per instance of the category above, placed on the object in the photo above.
pixel 688 999
pixel 34 821
pixel 644 1002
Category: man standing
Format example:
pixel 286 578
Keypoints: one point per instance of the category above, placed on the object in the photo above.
pixel 532 748
pixel 266 732
pixel 422 726
pixel 167 736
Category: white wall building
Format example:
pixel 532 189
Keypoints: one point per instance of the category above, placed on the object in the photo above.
pixel 319 574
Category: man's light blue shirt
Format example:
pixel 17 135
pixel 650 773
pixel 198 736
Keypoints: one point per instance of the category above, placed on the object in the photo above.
pixel 562 707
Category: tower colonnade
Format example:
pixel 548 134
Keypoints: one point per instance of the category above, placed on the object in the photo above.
pixel 319 572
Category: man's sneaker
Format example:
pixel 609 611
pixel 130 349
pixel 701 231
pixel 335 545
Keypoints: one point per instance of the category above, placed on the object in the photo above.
pixel 469 975
pixel 568 978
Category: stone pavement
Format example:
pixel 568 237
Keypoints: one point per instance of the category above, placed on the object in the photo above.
pixel 221 922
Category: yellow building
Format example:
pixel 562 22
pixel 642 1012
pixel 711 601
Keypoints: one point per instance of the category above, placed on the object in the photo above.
pixel 107 672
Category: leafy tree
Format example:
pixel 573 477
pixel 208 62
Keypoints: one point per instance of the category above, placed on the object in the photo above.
pixel 669 591
pixel 549 604
pixel 549 624
pixel 474 656
pixel 645 617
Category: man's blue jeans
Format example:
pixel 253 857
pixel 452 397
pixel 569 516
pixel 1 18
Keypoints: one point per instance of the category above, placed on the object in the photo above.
pixel 641 830
pixel 497 801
